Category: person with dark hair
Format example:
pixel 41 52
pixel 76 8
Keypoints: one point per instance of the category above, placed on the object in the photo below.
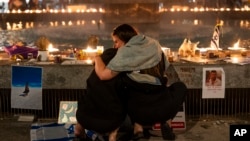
pixel 129 82
pixel 33 4
pixel 213 79
pixel 101 107
pixel 149 99
pixel 17 5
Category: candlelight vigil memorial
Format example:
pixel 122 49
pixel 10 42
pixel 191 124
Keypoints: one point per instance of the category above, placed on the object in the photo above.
pixel 48 52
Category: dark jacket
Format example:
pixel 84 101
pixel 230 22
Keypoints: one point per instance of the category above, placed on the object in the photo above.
pixel 101 108
pixel 105 104
pixel 149 104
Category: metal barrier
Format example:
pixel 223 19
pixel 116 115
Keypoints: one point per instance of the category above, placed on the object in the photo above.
pixel 50 106
pixel 236 103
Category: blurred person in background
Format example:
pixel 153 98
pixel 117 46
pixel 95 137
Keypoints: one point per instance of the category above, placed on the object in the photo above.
pixel 17 5
pixel 33 4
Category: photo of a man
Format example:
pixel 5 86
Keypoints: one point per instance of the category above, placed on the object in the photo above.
pixel 213 83
pixel 213 78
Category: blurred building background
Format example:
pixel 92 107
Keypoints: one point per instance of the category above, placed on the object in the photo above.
pixel 62 4
pixel 170 21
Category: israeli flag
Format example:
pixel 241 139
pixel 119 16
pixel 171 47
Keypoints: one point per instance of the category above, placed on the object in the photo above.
pixel 215 39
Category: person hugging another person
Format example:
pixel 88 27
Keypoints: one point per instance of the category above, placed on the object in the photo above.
pixel 149 100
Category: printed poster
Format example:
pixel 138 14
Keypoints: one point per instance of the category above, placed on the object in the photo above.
pixel 213 83
pixel 26 87
pixel 67 112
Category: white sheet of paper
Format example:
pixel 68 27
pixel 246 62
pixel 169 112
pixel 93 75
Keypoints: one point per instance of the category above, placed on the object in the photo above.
pixel 213 83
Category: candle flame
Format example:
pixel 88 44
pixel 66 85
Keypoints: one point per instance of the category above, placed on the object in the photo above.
pixel 236 45
pixel 89 61
pixel 235 60
pixel 89 49
pixel 202 49
pixel 52 49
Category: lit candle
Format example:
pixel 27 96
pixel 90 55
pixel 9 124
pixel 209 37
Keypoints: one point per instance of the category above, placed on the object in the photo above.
pixel 244 52
pixel 52 49
pixel 90 52
pixel 99 49
pixel 166 51
pixel 203 49
pixel 202 52
pixel 235 60
pixel 51 57
pixel 89 61
pixel 236 46
pixel 236 51
pixel 227 53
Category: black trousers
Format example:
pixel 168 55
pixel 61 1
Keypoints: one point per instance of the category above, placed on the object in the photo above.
pixel 151 108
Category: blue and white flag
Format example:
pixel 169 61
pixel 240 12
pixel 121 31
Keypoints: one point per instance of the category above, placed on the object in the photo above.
pixel 215 39
pixel 52 132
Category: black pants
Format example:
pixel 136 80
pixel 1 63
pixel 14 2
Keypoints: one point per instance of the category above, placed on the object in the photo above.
pixel 150 108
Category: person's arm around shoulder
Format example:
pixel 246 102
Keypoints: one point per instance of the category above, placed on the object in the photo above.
pixel 102 71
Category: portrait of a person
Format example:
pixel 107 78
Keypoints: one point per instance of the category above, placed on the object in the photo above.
pixel 213 78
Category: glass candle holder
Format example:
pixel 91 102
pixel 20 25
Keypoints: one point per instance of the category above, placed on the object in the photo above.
pixel 166 51
pixel 203 53
pixel 244 53
pixel 227 53
pixel 99 49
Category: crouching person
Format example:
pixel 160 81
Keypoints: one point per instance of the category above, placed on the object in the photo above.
pixel 101 107
pixel 147 106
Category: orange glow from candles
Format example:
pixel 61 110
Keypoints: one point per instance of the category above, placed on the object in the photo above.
pixel 89 49
pixel 236 46
pixel 89 61
pixel 52 49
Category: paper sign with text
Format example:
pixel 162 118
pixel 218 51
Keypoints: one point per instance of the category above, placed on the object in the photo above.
pixel 213 83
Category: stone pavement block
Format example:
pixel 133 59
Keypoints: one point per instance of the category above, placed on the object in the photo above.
pixel 197 130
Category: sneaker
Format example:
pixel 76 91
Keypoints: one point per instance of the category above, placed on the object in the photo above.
pixel 138 136
pixel 141 135
pixel 167 132
pixel 79 131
